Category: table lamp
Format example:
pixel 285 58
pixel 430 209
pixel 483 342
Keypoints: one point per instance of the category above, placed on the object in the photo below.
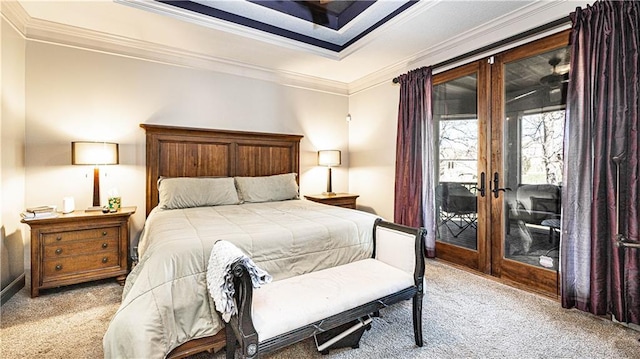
pixel 329 158
pixel 96 154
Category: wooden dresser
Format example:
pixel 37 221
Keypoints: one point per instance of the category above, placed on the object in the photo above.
pixel 79 247
pixel 345 200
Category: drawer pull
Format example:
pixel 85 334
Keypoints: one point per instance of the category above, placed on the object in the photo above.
pixel 104 233
pixel 58 238
pixel 105 245
pixel 105 259
pixel 59 251
pixel 58 266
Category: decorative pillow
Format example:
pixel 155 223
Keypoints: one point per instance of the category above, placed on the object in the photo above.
pixel 267 188
pixel 186 192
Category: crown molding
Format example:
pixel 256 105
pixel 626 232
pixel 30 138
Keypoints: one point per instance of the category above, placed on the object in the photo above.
pixel 460 44
pixel 16 15
pixel 34 29
pixel 403 17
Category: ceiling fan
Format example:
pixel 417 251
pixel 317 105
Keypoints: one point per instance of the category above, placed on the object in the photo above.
pixel 557 77
pixel 318 10
pixel 552 83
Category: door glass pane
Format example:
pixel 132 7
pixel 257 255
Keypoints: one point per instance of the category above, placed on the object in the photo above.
pixel 456 125
pixel 535 99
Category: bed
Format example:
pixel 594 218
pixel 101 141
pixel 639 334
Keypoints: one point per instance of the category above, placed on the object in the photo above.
pixel 166 310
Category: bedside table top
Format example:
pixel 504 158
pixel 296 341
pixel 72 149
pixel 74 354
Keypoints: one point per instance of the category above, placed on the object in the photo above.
pixel 80 215
pixel 337 195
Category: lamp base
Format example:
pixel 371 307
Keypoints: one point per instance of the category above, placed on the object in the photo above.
pixel 329 192
pixel 94 209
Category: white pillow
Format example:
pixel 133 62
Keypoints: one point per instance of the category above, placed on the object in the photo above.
pixel 187 192
pixel 267 188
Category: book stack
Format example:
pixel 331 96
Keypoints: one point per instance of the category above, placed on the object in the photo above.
pixel 39 212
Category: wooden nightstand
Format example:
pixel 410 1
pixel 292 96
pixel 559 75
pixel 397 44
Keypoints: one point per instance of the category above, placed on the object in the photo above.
pixel 345 200
pixel 79 247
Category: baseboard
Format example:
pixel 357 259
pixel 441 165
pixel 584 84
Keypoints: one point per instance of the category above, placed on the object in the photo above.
pixel 635 327
pixel 13 288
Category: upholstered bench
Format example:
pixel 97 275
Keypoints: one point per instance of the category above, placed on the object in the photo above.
pixel 289 310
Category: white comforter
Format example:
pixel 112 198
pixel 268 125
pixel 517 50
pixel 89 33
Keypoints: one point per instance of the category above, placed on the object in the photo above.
pixel 165 301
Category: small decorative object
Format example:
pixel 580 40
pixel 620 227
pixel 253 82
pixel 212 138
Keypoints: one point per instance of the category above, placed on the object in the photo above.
pixel 68 205
pixel 115 202
pixel 329 158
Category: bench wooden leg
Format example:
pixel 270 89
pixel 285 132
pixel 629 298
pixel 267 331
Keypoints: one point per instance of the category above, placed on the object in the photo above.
pixel 417 318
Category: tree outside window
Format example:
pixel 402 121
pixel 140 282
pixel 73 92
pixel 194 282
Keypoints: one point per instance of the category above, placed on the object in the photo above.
pixel 458 145
pixel 541 137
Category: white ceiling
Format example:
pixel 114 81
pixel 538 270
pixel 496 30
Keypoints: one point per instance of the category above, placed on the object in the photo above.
pixel 427 32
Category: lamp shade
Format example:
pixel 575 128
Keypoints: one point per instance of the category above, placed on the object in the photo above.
pixel 94 153
pixel 329 158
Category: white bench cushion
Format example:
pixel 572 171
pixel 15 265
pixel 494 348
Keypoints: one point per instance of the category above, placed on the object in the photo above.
pixel 288 304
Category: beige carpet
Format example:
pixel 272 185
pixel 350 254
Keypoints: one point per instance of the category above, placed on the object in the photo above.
pixel 465 316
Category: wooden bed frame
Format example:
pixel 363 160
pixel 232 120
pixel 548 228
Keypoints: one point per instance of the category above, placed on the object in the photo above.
pixel 195 152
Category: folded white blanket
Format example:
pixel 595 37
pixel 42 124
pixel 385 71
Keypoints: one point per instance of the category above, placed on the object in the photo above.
pixel 220 278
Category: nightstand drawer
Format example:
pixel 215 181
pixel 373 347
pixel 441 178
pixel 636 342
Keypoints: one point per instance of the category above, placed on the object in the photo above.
pixel 66 249
pixel 52 238
pixel 77 264
pixel 345 200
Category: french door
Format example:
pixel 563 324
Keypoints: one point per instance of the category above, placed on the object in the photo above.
pixel 461 117
pixel 498 128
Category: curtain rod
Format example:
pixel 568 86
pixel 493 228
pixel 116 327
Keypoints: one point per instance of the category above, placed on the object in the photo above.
pixel 500 43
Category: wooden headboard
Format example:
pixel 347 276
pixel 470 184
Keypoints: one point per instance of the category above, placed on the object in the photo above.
pixel 196 152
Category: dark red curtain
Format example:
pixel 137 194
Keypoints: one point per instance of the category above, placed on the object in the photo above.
pixel 414 191
pixel 601 152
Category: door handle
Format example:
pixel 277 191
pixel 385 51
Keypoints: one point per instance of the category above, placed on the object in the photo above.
pixel 482 188
pixel 496 185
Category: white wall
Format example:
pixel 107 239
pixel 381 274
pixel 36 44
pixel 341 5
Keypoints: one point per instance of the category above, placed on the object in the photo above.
pixel 12 167
pixel 372 147
pixel 75 94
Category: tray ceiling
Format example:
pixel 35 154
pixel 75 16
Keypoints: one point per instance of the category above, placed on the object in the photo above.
pixel 328 24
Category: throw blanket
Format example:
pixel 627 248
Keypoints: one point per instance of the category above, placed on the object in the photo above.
pixel 220 278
